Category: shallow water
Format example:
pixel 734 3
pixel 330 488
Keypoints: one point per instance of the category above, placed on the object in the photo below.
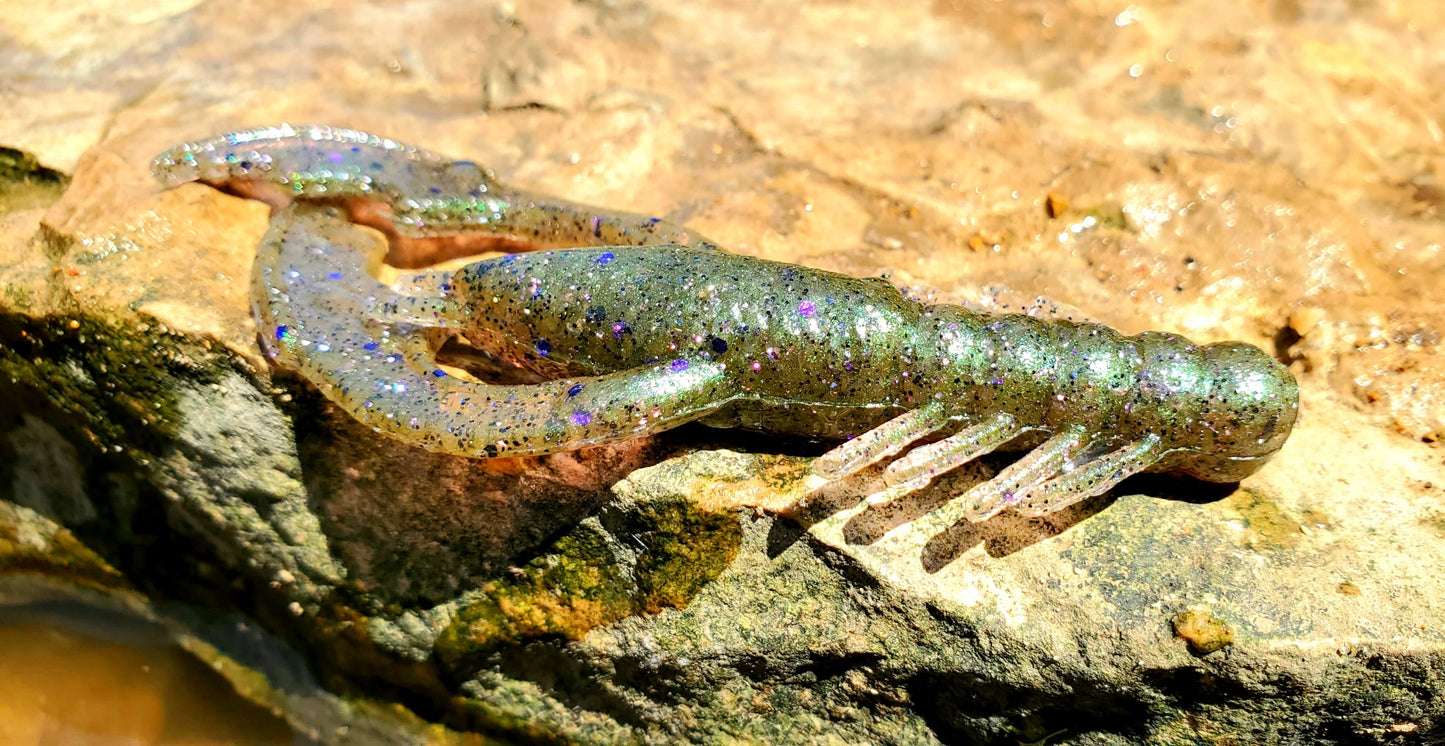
pixel 74 675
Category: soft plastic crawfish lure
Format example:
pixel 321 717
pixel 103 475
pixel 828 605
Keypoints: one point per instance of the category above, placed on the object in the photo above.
pixel 652 327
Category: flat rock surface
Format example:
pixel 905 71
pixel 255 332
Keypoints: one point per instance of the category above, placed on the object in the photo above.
pixel 1262 171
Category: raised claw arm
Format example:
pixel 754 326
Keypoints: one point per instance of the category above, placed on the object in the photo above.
pixel 428 195
pixel 314 297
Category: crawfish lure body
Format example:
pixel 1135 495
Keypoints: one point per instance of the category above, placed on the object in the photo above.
pixel 638 326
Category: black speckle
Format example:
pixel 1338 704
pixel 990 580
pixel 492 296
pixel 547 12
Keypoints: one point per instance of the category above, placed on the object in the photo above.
pixel 719 346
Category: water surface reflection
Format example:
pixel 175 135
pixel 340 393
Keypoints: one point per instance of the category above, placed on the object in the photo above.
pixel 75 675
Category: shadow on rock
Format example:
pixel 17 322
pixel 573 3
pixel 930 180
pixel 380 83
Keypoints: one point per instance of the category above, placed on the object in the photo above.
pixel 417 527
pixel 1001 535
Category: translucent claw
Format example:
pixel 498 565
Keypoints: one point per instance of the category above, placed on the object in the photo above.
pixel 1092 477
pixel 321 161
pixel 316 306
pixel 881 442
pixel 954 451
pixel 427 194
pixel 420 300
pixel 1012 484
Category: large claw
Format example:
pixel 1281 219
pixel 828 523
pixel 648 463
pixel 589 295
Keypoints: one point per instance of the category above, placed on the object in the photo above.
pixel 315 299
pixel 427 195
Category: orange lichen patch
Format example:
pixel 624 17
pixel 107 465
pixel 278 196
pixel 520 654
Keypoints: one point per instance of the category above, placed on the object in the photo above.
pixel 580 584
pixel 546 614
pixel 562 595
pixel 1202 631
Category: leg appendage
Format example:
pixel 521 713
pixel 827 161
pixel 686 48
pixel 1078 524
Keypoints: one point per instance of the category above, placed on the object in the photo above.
pixel 954 451
pixel 1092 478
pixel 881 442
pixel 1012 484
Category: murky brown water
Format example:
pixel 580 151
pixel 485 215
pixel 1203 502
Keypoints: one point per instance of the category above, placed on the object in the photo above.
pixel 69 677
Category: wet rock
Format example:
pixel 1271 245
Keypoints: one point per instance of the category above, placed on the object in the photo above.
pixel 1151 166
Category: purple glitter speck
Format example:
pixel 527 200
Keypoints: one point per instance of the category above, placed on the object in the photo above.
pixel 335 156
pixel 544 347
pixel 807 309
pixel 679 365
pixel 605 258
pixel 333 276
pixel 619 329
pixel 582 419
pixel 575 390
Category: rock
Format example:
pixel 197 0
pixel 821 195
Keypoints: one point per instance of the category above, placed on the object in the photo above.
pixel 1203 632
pixel 1154 167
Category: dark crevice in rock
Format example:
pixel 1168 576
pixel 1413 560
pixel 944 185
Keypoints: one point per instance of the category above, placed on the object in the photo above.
pixel 695 436
pixel 1392 693
pixel 663 681
pixel 572 682
pixel 821 666
pixel 967 708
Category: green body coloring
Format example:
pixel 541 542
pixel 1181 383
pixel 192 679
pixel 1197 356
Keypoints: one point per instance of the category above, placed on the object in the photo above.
pixel 633 325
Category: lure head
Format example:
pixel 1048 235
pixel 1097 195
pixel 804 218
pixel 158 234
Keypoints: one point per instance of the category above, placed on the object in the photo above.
pixel 1243 412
